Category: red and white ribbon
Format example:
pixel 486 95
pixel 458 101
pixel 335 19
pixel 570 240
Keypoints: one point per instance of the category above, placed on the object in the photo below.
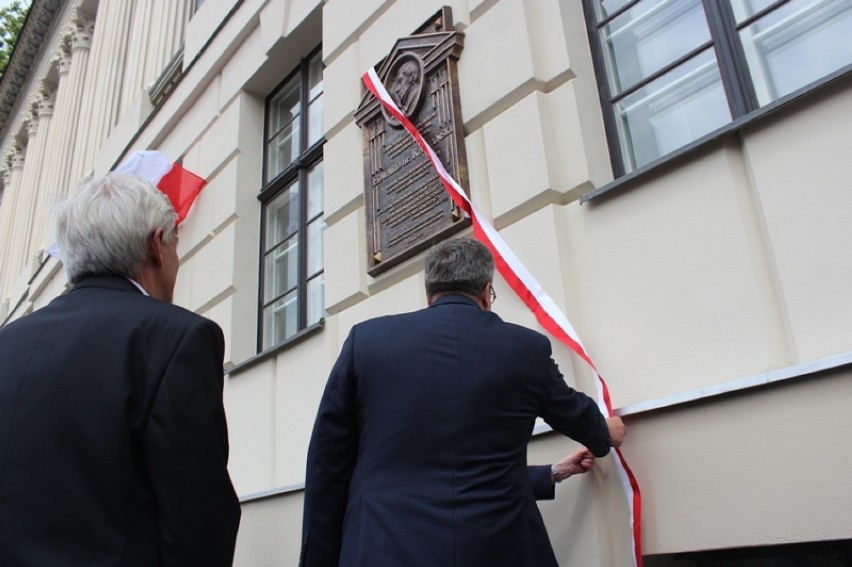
pixel 528 289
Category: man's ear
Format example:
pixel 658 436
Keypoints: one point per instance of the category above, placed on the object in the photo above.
pixel 155 247
pixel 485 297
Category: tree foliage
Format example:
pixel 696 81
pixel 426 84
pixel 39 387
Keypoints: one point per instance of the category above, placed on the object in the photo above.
pixel 11 20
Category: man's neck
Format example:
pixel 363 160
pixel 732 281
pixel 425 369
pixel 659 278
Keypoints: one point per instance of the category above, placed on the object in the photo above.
pixel 435 297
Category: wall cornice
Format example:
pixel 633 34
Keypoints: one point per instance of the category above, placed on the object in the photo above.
pixel 33 39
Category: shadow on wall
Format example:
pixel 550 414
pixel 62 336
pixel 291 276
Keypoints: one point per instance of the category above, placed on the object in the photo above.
pixel 836 553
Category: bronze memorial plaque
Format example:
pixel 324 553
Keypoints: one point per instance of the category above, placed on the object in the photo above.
pixel 408 208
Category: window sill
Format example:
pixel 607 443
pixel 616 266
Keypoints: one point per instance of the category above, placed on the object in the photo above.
pixel 629 180
pixel 275 350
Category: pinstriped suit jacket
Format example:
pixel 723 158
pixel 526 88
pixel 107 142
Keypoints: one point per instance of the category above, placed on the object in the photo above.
pixel 418 453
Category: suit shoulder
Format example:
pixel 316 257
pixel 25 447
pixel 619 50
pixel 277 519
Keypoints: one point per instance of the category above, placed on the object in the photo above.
pixel 131 306
pixel 387 320
pixel 525 333
pixel 180 315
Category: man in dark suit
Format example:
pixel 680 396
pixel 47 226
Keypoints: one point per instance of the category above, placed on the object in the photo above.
pixel 418 453
pixel 113 441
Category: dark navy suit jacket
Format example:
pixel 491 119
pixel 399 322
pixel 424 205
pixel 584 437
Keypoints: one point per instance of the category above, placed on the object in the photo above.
pixel 418 453
pixel 113 441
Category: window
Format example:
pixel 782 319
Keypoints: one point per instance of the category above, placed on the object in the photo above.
pixel 291 288
pixel 679 69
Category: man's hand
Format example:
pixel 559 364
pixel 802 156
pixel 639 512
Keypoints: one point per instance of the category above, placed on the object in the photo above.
pixel 617 430
pixel 577 462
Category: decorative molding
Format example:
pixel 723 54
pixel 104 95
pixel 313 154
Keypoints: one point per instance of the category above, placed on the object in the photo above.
pixel 62 56
pixel 81 30
pixel 32 40
pixel 31 124
pixel 44 99
pixel 16 154
pixel 167 80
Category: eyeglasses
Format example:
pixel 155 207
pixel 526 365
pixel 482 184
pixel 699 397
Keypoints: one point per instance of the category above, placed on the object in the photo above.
pixel 493 295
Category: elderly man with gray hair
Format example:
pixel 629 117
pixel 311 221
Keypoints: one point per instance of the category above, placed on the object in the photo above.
pixel 418 453
pixel 113 440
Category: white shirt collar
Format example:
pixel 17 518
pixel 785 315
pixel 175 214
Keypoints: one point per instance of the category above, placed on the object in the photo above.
pixel 142 289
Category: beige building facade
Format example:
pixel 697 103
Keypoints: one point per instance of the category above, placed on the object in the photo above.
pixel 675 174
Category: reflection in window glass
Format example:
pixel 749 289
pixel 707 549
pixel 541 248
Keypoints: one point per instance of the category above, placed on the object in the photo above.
pixel 315 184
pixel 291 291
pixel 315 299
pixel 605 8
pixel 284 127
pixel 672 72
pixel 282 217
pixel 315 131
pixel 744 9
pixel 797 44
pixel 281 269
pixel 285 107
pixel 315 91
pixel 283 150
pixel 280 320
pixel 315 230
pixel 649 36
pixel 672 111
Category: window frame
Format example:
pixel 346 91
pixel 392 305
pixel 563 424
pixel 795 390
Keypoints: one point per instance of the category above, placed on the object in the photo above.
pixel 733 69
pixel 296 174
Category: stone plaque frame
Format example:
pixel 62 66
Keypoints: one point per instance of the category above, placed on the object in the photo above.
pixel 407 207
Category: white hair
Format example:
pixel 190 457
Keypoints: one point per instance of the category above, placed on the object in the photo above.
pixel 104 225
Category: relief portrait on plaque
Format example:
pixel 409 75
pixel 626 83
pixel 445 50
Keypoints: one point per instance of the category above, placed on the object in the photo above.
pixel 407 207
pixel 405 81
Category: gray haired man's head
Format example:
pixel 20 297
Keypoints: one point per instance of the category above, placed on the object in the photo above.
pixel 462 265
pixel 105 224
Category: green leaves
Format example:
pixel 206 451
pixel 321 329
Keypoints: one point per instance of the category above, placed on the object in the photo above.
pixel 11 20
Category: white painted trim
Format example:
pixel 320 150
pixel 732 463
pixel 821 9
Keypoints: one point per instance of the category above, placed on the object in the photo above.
pixel 254 496
pixel 781 375
pixel 758 380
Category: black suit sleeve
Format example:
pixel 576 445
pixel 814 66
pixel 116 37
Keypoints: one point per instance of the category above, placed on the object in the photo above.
pixel 542 487
pixel 331 461
pixel 573 413
pixel 186 450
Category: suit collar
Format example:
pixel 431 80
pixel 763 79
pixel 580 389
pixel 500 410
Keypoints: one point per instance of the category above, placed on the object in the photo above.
pixel 455 299
pixel 119 283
